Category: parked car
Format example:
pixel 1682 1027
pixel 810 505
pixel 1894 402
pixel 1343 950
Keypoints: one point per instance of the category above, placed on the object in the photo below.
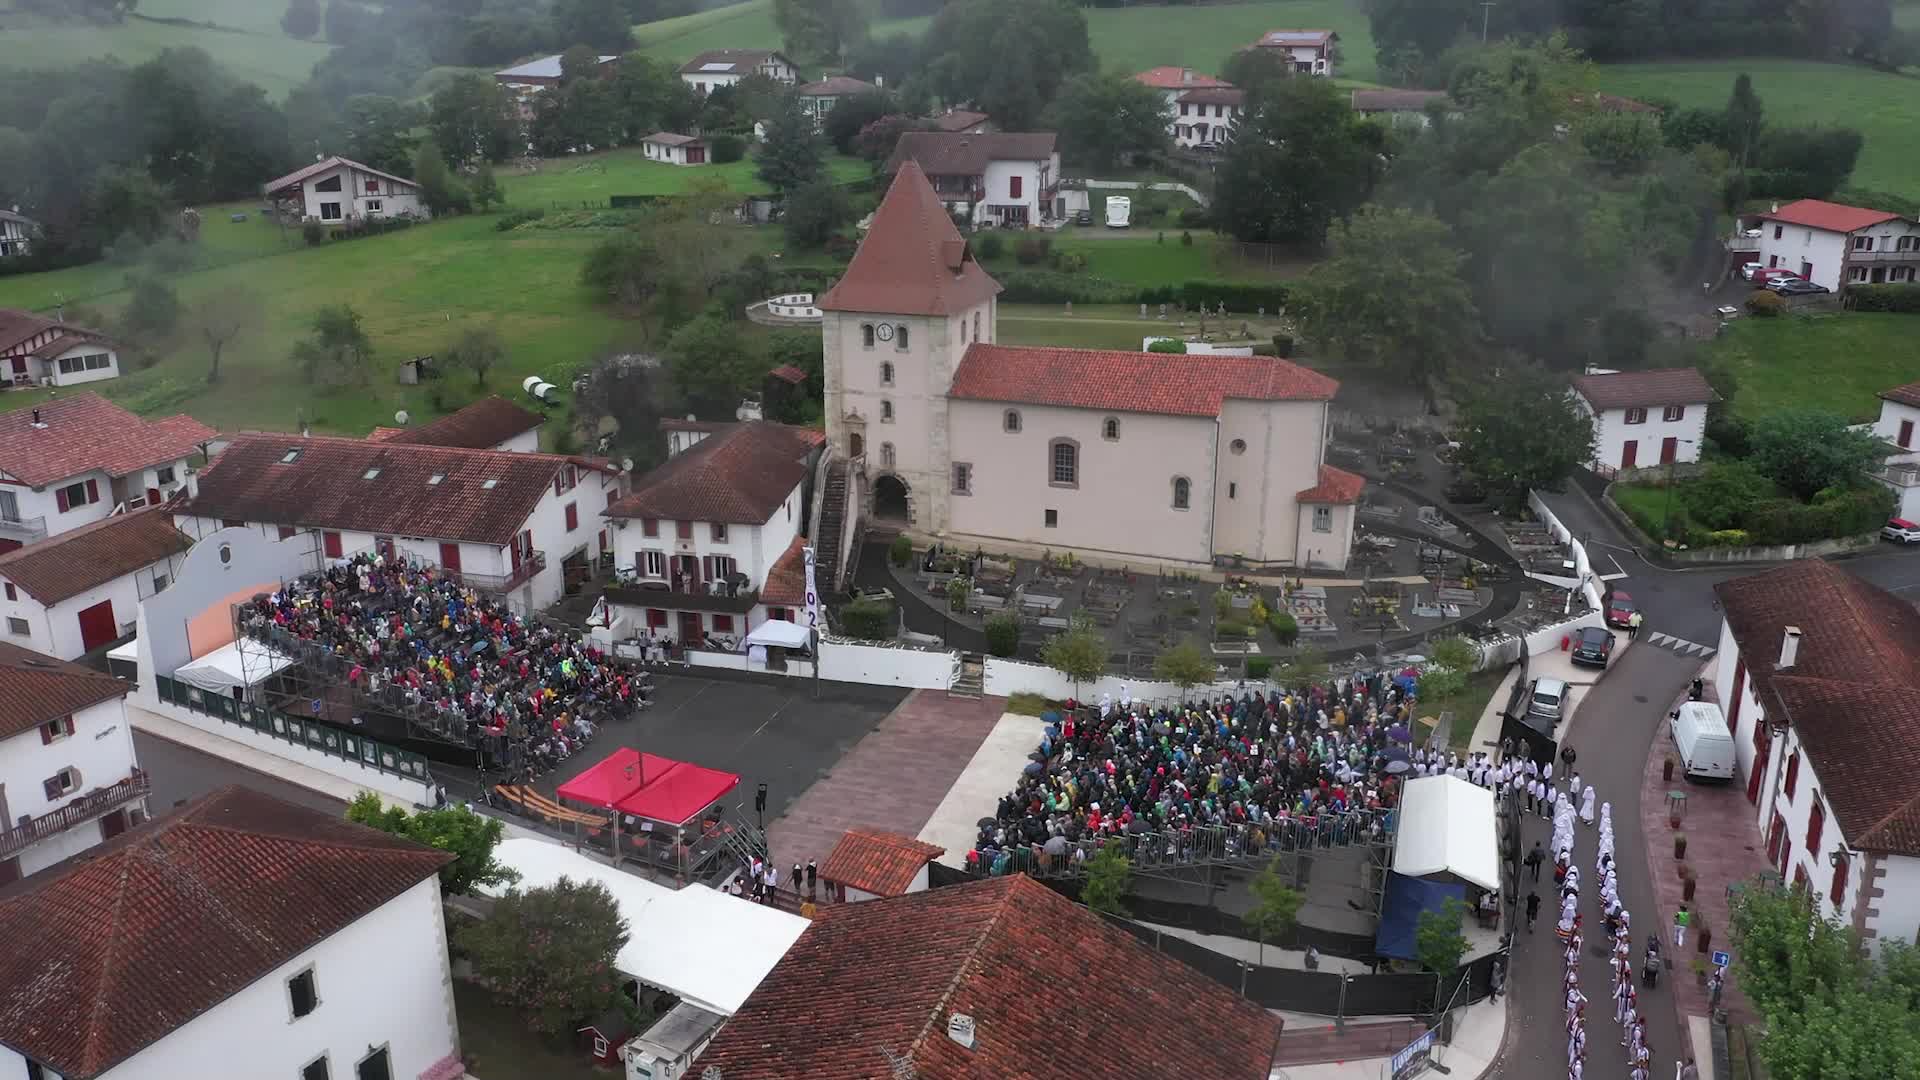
pixel 1548 701
pixel 1761 277
pixel 1593 646
pixel 1900 531
pixel 1747 270
pixel 1793 286
pixel 1620 609
pixel 1084 217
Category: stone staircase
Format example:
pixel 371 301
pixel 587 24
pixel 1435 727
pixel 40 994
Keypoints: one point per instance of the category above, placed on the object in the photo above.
pixel 826 546
pixel 969 677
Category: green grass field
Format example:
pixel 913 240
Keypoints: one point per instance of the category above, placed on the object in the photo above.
pixel 1106 326
pixel 594 177
pixel 274 61
pixel 1884 107
pixel 736 26
pixel 1836 362
pixel 258 16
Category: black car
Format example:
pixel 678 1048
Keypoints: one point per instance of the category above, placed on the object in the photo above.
pixel 1793 286
pixel 1592 646
pixel 1084 217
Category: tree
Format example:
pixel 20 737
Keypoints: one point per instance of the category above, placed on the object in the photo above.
pixel 625 268
pixel 467 836
pixel 337 348
pixel 1831 1007
pixel 1806 450
pixel 486 188
pixel 479 350
pixel 1109 119
pixel 712 363
pixel 851 115
pixel 1300 159
pixel 153 311
pixel 1275 908
pixel 1108 873
pixel 302 19
pixel 1008 57
pixel 219 318
pixel 1257 71
pixel 1438 942
pixel 349 23
pixel 1392 295
pixel 816 212
pixel 1186 665
pixel 876 141
pixel 820 30
pixel 380 131
pixel 471 117
pixel 1454 652
pixel 1308 666
pixel 442 193
pixel 790 159
pixel 550 953
pixel 600 24
pixel 1520 430
pixel 1079 652
pixel 1745 119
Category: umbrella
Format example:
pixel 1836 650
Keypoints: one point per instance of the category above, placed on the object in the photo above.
pixel 1394 753
pixel 1395 768
pixel 1137 825
pixel 1399 733
pixel 986 823
pixel 1036 756
pixel 1034 768
pixel 1055 845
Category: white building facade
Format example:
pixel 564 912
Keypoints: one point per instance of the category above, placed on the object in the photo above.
pixel 668 148
pixel 1643 419
pixel 17 234
pixel 336 191
pixel 1834 245
pixel 1899 426
pixel 716 68
pixel 36 351
pixel 72 461
pixel 1308 52
pixel 80 591
pixel 1002 179
pixel 68 778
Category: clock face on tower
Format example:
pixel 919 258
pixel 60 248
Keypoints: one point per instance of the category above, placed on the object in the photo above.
pixel 884 332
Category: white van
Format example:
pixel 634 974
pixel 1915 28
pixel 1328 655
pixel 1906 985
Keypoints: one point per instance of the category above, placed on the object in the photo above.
pixel 1119 211
pixel 1706 747
pixel 1548 701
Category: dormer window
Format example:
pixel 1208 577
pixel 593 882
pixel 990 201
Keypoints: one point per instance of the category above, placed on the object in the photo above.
pixel 292 455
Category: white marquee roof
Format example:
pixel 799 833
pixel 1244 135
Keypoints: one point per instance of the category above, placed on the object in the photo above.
pixel 1446 827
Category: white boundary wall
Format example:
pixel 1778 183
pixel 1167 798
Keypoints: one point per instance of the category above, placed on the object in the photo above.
pixel 850 661
pixel 1589 581
pixel 1005 678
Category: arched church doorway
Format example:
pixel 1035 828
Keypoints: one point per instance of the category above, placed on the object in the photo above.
pixel 890 498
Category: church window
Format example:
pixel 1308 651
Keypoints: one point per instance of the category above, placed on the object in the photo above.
pixel 866 335
pixel 900 337
pixel 886 411
pixel 1063 463
pixel 1011 422
pixel 1110 429
pixel 886 374
pixel 1182 492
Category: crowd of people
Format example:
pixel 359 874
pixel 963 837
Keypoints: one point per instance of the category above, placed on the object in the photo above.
pixel 1223 778
pixel 411 636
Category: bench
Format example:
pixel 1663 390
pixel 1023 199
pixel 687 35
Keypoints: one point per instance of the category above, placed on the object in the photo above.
pixel 532 802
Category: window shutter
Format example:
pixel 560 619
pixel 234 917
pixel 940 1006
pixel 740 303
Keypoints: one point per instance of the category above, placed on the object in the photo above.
pixel 93 491
pixel 60 500
pixel 51 786
pixel 1838 892
pixel 46 736
pixel 68 724
pixel 332 542
pixel 1816 819
pixel 1793 772
pixel 558 477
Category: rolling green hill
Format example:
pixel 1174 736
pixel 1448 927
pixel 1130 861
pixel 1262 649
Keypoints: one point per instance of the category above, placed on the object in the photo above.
pixel 268 58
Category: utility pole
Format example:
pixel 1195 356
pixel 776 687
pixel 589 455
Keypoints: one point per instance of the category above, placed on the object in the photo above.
pixel 1486 13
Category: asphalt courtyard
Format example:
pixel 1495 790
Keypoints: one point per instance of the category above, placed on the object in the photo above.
pixel 181 773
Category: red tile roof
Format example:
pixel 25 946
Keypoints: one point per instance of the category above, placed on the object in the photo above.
pixel 1904 395
pixel 881 863
pixel 17 326
pixel 737 61
pixel 85 433
pixel 1852 694
pixel 947 153
pixel 1639 389
pixel 318 167
pixel 121 945
pixel 1336 486
pixel 912 261
pixel 480 426
pixel 789 373
pixel 786 584
pixel 325 487
pixel 671 138
pixel 836 86
pixel 1130 381
pixel 1175 77
pixel 382 434
pixel 1830 217
pixel 959 120
pixel 739 475
pixel 1054 994
pixel 70 563
pixel 36 688
pixel 1395 100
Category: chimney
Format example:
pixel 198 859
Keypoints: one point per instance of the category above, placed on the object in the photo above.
pixel 36 419
pixel 1776 207
pixel 1186 76
pixel 1789 649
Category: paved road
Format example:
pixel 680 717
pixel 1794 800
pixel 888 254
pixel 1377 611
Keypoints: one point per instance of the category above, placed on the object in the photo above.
pixel 1611 732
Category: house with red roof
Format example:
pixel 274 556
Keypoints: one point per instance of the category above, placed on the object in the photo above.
pixel 336 190
pixel 1831 244
pixel 1119 456
pixel 1311 52
pixel 68 778
pixel 38 351
pixel 1644 418
pixel 708 546
pixel 80 591
pixel 867 864
pixel 1009 179
pixel 1818 676
pixel 239 936
pixel 1899 417
pixel 71 461
pixel 1200 108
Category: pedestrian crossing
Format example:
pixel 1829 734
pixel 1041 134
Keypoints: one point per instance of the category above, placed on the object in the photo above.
pixel 1680 645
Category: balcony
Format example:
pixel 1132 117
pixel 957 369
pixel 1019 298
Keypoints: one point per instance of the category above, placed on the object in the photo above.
pixel 23 530
pixel 529 568
pixel 1744 242
pixel 1899 476
pixel 93 804
pixel 1910 255
pixel 661 594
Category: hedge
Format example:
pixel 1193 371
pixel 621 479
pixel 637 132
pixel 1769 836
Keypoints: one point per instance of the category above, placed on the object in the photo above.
pixel 1904 299
pixel 868 620
pixel 1850 513
pixel 1241 297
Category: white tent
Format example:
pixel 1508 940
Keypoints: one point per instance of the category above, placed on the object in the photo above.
pixel 698 944
pixel 1446 828
pixel 779 632
pixel 239 664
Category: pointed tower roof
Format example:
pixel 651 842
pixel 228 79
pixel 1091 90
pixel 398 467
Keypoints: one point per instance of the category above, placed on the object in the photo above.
pixel 913 261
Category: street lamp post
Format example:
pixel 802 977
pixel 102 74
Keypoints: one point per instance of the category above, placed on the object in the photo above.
pixel 1666 513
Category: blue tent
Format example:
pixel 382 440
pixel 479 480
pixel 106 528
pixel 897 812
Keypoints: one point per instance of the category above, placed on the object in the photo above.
pixel 1406 898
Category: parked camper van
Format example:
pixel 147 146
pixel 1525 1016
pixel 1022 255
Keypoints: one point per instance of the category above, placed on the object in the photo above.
pixel 1119 211
pixel 1700 734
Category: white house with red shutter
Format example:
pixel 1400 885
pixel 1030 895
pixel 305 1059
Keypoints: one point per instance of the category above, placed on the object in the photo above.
pixel 1899 415
pixel 1644 418
pixel 517 524
pixel 709 544
pixel 71 461
pixel 336 190
pixel 68 779
pixel 1002 178
pixel 80 591
pixel 1831 244
pixel 1201 110
pixel 1819 676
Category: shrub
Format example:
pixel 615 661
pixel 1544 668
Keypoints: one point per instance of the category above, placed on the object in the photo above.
pixel 1283 345
pixel 1723 493
pixel 1194 217
pixel 869 620
pixel 1904 299
pixel 1168 345
pixel 1033 249
pixel 1003 634
pixel 1766 305
pixel 1023 286
pixel 1237 295
pixel 1259 667
pixel 1069 262
pixel 1186 239
pixel 1734 538
pixel 312 233
pixel 901 550
pixel 989 245
pixel 513 219
pixel 1285 629
pixel 1230 628
pixel 727 148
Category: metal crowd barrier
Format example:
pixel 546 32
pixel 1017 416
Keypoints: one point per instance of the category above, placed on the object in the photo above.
pixel 311 734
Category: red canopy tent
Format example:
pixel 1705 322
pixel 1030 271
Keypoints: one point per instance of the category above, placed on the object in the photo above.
pixel 650 786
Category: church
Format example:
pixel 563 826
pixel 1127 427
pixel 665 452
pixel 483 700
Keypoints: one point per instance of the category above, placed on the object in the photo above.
pixel 1119 457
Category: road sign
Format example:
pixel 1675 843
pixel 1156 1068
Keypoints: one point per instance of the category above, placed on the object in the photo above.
pixel 1721 959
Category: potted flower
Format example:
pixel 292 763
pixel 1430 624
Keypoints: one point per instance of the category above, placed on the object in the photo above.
pixel 1666 770
pixel 1679 845
pixel 1700 972
pixel 1688 883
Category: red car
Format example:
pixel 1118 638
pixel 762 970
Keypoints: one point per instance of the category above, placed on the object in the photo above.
pixel 1761 277
pixel 1620 609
